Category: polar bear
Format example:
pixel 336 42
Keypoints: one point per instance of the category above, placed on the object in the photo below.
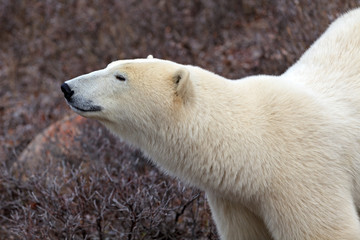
pixel 278 156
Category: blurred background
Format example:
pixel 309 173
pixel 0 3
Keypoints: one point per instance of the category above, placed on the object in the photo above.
pixel 64 177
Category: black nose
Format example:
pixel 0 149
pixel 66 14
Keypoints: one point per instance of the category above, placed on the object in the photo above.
pixel 67 91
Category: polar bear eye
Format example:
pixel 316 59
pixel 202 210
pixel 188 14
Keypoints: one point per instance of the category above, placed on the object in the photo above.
pixel 120 77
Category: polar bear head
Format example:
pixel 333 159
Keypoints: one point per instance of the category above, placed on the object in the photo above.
pixel 129 94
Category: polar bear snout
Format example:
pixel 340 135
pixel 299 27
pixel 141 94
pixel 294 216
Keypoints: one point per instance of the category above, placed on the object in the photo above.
pixel 78 103
pixel 67 91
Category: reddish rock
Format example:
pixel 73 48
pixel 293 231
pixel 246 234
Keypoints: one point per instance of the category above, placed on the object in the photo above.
pixel 73 143
pixel 59 144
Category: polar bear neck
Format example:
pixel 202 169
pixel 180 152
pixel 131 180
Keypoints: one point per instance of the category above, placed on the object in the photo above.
pixel 207 147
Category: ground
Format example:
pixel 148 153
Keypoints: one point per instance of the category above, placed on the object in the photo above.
pixel 118 194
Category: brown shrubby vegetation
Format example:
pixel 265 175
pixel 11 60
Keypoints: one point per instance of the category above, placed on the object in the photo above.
pixel 103 189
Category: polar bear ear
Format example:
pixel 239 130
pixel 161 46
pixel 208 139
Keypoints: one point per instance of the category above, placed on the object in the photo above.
pixel 150 57
pixel 183 85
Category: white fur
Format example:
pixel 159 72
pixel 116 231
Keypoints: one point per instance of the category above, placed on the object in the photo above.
pixel 278 156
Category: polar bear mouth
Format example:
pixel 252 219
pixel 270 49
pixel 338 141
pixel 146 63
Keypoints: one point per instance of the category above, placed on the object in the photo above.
pixel 88 109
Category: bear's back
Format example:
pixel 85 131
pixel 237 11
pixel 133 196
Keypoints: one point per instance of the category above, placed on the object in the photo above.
pixel 331 66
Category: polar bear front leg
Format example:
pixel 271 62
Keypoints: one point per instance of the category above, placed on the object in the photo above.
pixel 235 222
pixel 315 215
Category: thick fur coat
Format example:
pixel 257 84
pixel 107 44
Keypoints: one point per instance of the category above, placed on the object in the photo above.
pixel 278 156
